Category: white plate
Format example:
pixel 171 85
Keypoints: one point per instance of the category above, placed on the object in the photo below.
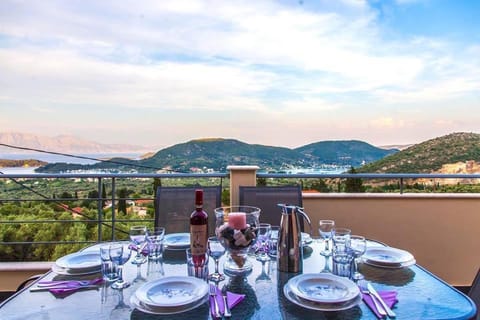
pixel 306 238
pixel 323 288
pixel 392 265
pixel 320 306
pixel 172 291
pixel 388 257
pixel 177 241
pixel 80 261
pixel 136 303
pixel 72 272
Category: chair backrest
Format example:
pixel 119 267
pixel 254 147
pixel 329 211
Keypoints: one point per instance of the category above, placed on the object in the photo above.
pixel 173 206
pixel 474 293
pixel 268 198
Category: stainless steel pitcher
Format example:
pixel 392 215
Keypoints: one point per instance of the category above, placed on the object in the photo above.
pixel 289 252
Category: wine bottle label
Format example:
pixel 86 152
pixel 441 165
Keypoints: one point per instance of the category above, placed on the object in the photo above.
pixel 198 239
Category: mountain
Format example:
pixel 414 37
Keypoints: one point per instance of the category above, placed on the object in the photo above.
pixel 431 155
pixel 353 152
pixel 216 154
pixel 61 143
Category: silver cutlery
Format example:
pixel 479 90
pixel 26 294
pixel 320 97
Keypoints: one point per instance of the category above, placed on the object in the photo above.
pixel 227 313
pixel 45 284
pixel 376 303
pixel 35 289
pixel 374 293
pixel 213 294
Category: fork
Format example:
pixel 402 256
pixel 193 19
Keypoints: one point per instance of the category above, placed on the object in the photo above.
pixel 379 308
pixel 213 294
pixel 227 313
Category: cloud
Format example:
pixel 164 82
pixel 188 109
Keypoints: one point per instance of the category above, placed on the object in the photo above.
pixel 321 60
pixel 388 123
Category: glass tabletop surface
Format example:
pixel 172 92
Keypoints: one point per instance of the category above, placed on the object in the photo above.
pixel 421 295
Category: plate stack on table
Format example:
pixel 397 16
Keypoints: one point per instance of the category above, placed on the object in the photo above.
pixel 177 241
pixel 323 291
pixel 78 263
pixel 170 295
pixel 306 238
pixel 388 257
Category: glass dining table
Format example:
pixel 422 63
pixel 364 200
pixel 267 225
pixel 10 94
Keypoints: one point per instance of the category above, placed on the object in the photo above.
pixel 421 295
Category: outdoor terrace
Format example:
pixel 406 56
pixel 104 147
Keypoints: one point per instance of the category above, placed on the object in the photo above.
pixel 440 229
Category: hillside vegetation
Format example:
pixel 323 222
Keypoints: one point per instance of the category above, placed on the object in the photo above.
pixel 430 156
pixel 217 154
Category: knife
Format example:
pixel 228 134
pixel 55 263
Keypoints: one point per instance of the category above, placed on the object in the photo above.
pixel 35 289
pixel 374 293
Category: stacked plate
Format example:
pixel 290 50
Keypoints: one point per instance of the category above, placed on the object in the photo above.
pixel 78 263
pixel 177 241
pixel 306 239
pixel 170 295
pixel 388 257
pixel 323 291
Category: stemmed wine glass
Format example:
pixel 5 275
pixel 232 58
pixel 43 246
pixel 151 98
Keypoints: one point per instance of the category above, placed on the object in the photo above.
pixel 138 237
pixel 119 255
pixel 326 231
pixel 263 237
pixel 358 246
pixel 215 250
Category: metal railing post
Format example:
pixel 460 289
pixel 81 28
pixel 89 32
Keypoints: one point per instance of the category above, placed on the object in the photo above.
pixel 100 209
pixel 113 209
pixel 401 185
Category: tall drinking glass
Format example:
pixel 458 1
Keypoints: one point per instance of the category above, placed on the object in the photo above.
pixel 119 255
pixel 215 250
pixel 358 245
pixel 325 229
pixel 341 239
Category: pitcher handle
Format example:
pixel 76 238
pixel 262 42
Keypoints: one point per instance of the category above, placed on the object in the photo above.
pixel 306 217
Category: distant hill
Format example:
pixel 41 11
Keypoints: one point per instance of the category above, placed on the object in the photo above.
pixel 21 163
pixel 431 155
pixel 61 143
pixel 353 152
pixel 216 154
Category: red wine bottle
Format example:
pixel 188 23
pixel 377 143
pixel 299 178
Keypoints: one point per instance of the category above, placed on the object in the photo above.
pixel 198 230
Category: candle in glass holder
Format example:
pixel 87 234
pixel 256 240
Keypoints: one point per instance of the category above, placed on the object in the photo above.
pixel 237 220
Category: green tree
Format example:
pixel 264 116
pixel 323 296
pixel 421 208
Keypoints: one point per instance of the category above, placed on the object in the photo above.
pixel 122 203
pixel 320 185
pixel 354 184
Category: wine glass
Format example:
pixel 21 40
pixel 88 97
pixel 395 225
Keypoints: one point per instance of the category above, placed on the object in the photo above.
pixel 273 241
pixel 264 230
pixel 119 255
pixel 358 246
pixel 215 250
pixel 326 231
pixel 138 237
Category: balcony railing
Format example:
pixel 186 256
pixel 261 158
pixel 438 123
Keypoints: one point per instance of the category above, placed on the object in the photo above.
pixel 429 225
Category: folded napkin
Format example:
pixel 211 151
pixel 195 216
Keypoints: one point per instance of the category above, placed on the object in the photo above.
pixel 390 298
pixel 143 251
pixel 66 288
pixel 232 299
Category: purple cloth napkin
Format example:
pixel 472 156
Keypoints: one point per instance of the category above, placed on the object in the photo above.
pixel 65 289
pixel 390 298
pixel 232 298
pixel 135 248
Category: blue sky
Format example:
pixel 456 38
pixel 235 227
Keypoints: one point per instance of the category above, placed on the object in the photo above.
pixel 283 73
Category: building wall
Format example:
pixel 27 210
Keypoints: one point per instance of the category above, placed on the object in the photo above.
pixel 442 231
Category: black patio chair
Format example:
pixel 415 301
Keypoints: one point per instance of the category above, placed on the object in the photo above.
pixel 474 293
pixel 268 198
pixel 173 206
